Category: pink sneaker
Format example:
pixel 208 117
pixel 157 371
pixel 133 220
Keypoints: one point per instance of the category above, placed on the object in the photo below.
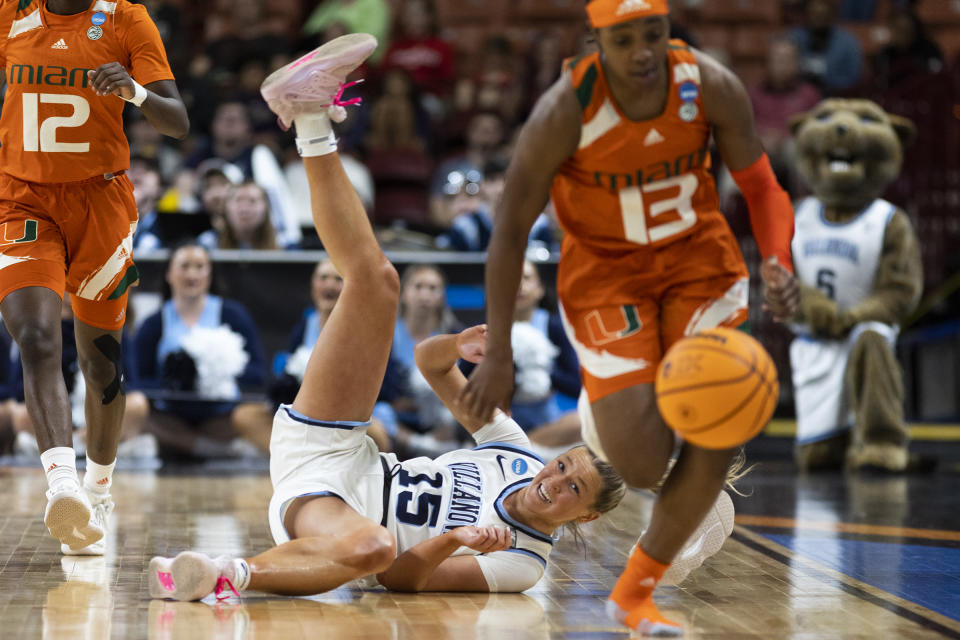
pixel 316 81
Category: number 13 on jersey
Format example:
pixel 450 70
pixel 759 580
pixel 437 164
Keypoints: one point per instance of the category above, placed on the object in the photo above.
pixel 42 136
pixel 634 209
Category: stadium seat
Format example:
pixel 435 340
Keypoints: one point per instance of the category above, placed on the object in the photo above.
pixel 739 11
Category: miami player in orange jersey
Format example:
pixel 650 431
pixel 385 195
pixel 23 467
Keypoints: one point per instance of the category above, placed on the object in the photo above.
pixel 621 144
pixel 67 215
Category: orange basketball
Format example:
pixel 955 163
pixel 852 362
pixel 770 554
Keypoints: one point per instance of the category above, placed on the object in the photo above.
pixel 717 388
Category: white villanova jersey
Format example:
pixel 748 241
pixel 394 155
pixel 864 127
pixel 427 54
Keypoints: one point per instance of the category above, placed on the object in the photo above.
pixel 468 487
pixel 839 259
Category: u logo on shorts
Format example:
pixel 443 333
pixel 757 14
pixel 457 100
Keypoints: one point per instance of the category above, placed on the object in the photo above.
pixel 601 334
pixel 29 232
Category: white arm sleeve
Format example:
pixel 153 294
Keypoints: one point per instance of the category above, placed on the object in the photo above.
pixel 502 428
pixel 510 571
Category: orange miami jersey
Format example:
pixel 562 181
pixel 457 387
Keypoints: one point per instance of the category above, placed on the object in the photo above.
pixel 54 127
pixel 647 256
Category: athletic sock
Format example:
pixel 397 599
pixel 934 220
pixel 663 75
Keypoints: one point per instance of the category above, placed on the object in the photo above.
pixel 633 593
pixel 60 465
pixel 99 477
pixel 314 135
pixel 236 570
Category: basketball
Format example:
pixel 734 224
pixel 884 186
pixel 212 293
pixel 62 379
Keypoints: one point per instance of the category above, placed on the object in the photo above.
pixel 717 388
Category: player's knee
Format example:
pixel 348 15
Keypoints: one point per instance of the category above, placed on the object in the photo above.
pixel 376 551
pixel 640 471
pixel 38 342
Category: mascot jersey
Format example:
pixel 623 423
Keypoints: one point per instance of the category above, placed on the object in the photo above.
pixel 633 186
pixel 54 128
pixel 840 259
pixel 467 488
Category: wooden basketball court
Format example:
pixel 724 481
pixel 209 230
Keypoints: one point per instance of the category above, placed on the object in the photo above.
pixel 822 556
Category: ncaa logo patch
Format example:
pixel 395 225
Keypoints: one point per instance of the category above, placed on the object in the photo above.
pixel 689 91
pixel 519 466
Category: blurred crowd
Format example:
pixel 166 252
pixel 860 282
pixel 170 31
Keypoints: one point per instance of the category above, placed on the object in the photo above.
pixel 427 152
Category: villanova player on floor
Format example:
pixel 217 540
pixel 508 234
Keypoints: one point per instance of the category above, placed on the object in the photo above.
pixel 476 520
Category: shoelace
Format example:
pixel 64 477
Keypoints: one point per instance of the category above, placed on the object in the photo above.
pixel 337 102
pixel 222 585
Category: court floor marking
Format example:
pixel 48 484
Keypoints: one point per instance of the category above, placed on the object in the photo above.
pixel 847 527
pixel 904 608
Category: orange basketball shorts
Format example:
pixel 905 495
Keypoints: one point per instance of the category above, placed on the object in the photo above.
pixel 75 237
pixel 621 343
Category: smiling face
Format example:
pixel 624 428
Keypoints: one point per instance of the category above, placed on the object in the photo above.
pixel 530 292
pixel 565 490
pixel 423 293
pixel 635 52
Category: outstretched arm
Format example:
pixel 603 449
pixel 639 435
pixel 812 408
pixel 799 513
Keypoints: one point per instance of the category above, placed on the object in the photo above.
pixel 771 215
pixel 547 140
pixel 437 357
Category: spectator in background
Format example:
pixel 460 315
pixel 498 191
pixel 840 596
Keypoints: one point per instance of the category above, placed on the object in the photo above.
pixel 830 55
pixel 397 121
pixel 417 49
pixel 781 94
pixel 546 367
pixel 240 30
pixel 231 141
pixel 358 16
pixel 421 424
pixel 147 190
pixel 254 420
pixel 147 143
pixel 858 10
pixel 910 52
pixel 201 346
pixel 486 133
pixel 245 223
pixel 473 224
pixel 545 60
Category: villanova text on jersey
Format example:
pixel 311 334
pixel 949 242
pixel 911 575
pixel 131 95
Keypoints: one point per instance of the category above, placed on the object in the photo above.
pixel 466 499
pixel 832 247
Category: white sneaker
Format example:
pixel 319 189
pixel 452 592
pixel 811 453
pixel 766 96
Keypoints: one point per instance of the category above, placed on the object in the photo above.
pixel 70 517
pixel 189 576
pixel 139 447
pixel 314 81
pixel 102 505
pixel 709 537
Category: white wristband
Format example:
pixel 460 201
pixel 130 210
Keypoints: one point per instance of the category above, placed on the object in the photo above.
pixel 139 94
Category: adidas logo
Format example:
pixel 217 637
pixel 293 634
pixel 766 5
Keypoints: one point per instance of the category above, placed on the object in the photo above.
pixel 628 6
pixel 52 466
pixel 654 137
pixel 59 44
pixel 103 481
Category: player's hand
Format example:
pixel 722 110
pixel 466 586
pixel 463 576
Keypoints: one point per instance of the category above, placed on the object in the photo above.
pixel 472 343
pixel 781 291
pixel 111 79
pixel 490 386
pixel 483 539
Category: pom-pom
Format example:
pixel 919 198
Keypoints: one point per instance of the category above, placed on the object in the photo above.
pixel 220 359
pixel 533 356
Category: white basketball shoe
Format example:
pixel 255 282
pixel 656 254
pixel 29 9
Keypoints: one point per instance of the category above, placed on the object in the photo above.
pixel 191 576
pixel 316 81
pixel 709 537
pixel 70 517
pixel 102 505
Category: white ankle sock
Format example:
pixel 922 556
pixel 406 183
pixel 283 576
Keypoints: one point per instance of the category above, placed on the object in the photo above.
pixel 314 135
pixel 60 465
pixel 236 570
pixel 99 477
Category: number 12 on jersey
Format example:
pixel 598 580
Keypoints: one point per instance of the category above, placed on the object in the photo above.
pixel 42 136
pixel 634 210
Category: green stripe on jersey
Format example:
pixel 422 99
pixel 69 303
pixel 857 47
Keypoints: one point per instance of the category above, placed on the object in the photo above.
pixel 585 90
